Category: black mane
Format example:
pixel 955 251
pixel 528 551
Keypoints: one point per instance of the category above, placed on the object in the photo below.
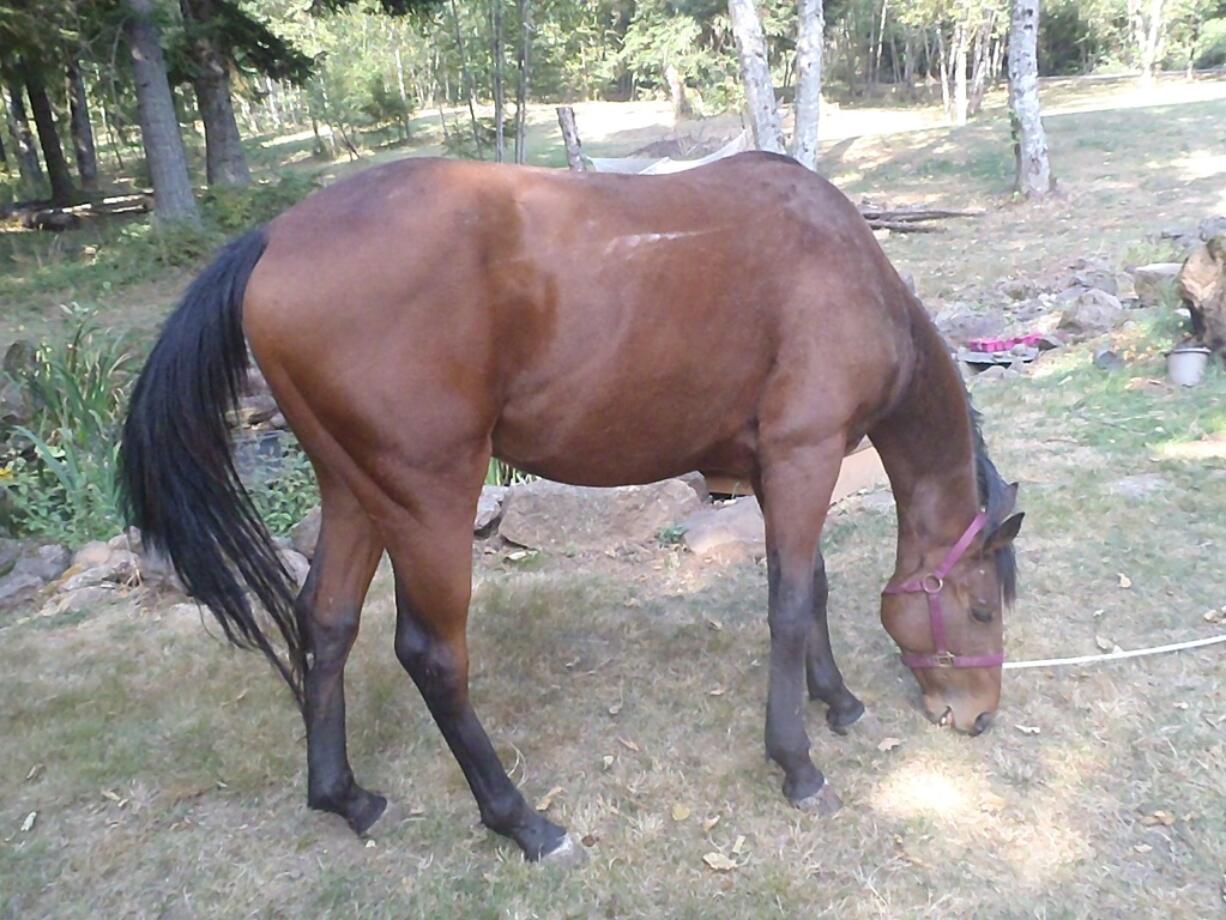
pixel 993 493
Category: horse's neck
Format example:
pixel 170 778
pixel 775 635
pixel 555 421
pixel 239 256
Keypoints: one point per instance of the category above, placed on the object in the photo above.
pixel 927 447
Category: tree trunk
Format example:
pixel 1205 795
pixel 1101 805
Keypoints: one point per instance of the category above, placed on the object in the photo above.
pixel 1147 32
pixel 521 87
pixel 676 93
pixel 570 137
pixel 756 75
pixel 62 189
pixel 961 102
pixel 404 93
pixel 908 65
pixel 466 76
pixel 944 68
pixel 875 69
pixel 225 162
pixel 82 130
pixel 172 189
pixel 500 142
pixel 1034 179
pixel 270 101
pixel 28 166
pixel 810 27
pixel 980 60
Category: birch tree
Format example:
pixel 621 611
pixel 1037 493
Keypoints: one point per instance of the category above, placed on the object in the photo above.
pixel 756 75
pixel 809 37
pixel 1146 20
pixel 1034 179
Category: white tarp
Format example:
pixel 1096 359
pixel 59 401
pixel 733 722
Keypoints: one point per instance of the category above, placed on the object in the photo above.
pixel 653 166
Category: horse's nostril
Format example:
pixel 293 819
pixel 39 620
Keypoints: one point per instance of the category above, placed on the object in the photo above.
pixel 983 723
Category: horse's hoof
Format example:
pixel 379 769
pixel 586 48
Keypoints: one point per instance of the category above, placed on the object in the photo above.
pixel 841 720
pixel 371 810
pixel 823 803
pixel 569 854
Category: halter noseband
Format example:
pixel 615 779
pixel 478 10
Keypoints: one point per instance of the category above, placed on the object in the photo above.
pixel 931 584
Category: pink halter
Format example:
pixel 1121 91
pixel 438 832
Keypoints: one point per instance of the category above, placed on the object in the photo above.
pixel 931 585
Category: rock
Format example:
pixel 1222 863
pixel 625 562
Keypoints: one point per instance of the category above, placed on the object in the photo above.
pixel 157 571
pixel 995 372
pixel 489 507
pixel 296 564
pixel 698 483
pixel 1018 289
pixel 1155 282
pixel 19 586
pixel 1091 313
pixel 1107 360
pixel 10 552
pixel 16 407
pixel 20 358
pixel 961 322
pixel 305 534
pixel 120 567
pixel 1201 285
pixel 737 523
pixel 1211 227
pixel 1097 274
pixel 91 554
pixel 79 600
pixel 129 539
pixel 48 560
pixel 559 518
pixel 30 569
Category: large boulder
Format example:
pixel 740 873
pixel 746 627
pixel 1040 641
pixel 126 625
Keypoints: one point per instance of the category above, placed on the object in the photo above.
pixel 961 322
pixel 735 526
pixel 1092 312
pixel 1155 282
pixel 1201 285
pixel 561 518
pixel 27 568
pixel 489 507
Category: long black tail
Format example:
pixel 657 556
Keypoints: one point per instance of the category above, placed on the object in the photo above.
pixel 177 471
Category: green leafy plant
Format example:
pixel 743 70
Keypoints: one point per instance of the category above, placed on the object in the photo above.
pixel 60 479
pixel 284 500
pixel 503 474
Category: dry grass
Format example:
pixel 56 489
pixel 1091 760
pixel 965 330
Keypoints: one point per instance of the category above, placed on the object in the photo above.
pixel 167 772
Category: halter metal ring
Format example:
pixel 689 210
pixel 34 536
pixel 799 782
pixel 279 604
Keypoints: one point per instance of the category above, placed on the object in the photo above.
pixel 932 584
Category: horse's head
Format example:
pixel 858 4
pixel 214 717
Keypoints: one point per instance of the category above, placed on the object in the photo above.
pixel 947 617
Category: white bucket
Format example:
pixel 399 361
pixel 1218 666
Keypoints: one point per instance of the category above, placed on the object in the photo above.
pixel 1186 365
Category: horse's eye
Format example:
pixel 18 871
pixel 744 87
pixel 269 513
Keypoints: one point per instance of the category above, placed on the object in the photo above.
pixel 982 614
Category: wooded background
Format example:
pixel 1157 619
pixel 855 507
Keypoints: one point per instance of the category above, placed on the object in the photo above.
pixel 127 78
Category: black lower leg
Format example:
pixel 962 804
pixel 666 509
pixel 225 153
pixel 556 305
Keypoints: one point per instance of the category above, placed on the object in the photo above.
pixel 786 741
pixel 443 685
pixel 330 783
pixel 824 680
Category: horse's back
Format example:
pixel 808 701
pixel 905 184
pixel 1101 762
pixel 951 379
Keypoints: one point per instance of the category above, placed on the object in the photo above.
pixel 603 328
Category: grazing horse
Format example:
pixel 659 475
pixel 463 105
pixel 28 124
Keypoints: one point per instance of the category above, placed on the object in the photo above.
pixel 424 316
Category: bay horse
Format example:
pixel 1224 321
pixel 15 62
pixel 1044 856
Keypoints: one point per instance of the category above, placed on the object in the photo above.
pixel 423 316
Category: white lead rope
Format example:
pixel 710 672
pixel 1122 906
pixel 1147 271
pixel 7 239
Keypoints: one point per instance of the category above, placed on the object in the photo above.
pixel 1114 656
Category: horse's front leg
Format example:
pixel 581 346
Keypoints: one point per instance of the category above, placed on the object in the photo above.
pixel 795 485
pixel 823 676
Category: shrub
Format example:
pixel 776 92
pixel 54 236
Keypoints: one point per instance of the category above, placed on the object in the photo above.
pixel 232 210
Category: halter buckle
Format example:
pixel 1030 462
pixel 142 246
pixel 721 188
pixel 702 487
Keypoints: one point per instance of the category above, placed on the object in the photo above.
pixel 945 659
pixel 932 583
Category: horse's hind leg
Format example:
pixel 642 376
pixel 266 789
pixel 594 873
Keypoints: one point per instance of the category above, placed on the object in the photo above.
pixel 821 673
pixel 329 608
pixel 431 550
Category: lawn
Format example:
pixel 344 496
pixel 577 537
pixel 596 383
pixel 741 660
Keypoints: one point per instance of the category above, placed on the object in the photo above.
pixel 165 772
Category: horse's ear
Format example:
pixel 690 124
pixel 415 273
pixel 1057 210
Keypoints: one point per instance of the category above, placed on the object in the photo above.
pixel 1006 504
pixel 1005 533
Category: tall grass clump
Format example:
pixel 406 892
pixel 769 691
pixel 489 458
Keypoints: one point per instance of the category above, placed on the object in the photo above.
pixel 59 474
